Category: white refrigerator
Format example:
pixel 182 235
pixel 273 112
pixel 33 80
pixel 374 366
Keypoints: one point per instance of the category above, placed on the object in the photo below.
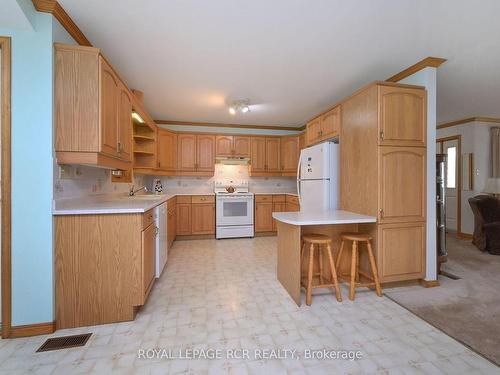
pixel 317 177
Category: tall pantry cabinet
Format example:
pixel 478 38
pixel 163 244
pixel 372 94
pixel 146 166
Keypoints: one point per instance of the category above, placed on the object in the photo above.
pixel 383 173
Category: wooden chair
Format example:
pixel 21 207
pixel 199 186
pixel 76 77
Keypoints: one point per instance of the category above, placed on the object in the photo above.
pixel 353 278
pixel 323 244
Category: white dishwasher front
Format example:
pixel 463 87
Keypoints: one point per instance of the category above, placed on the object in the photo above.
pixel 161 238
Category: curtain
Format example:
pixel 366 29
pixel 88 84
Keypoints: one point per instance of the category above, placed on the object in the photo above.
pixel 495 152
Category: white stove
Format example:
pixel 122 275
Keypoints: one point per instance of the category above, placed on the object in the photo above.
pixel 234 209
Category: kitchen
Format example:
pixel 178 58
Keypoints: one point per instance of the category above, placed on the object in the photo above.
pixel 207 185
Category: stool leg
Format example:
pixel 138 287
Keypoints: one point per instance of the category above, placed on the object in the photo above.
pixel 341 250
pixel 338 293
pixel 310 275
pixel 302 253
pixel 373 266
pixel 352 287
pixel 357 263
pixel 320 259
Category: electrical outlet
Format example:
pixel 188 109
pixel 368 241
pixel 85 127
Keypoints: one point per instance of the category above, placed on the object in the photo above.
pixel 65 172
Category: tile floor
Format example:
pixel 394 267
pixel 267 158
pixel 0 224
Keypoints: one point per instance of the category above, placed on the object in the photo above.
pixel 224 295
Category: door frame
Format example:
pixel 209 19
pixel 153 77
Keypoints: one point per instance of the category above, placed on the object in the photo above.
pixel 5 78
pixel 457 138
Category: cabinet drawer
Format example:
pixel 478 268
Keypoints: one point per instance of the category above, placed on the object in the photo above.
pixel 202 199
pixel 263 198
pixel 147 218
pixel 183 199
pixel 279 198
pixel 292 199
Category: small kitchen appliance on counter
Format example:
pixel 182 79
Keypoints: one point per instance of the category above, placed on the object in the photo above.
pixel 234 209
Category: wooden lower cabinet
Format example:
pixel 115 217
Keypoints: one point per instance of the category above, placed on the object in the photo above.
pixel 183 219
pixel 171 221
pixel 263 216
pixel 278 207
pixel 148 257
pixel 103 267
pixel 203 218
pixel 401 251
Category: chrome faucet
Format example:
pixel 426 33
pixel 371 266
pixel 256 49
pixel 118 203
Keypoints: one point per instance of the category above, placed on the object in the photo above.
pixel 132 192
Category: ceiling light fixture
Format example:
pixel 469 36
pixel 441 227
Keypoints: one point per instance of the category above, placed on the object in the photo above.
pixel 242 106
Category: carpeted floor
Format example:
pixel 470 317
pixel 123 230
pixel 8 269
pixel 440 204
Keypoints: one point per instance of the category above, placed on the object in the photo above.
pixel 467 309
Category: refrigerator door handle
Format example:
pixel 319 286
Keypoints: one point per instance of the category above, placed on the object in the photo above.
pixel 298 178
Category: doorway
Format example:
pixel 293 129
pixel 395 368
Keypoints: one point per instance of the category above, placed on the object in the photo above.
pixel 5 155
pixel 451 147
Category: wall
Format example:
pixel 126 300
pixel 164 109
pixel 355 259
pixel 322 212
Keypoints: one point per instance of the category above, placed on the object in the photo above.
pixel 475 140
pixel 427 78
pixel 32 281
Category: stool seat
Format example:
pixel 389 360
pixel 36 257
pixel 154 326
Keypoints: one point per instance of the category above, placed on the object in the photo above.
pixel 356 236
pixel 316 238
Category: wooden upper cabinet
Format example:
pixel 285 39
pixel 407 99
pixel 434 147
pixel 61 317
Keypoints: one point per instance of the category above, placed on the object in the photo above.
pixel 313 131
pixel 224 145
pixel 273 146
pixel 330 123
pixel 402 184
pixel 241 146
pixel 290 150
pixel 109 109
pixel 125 124
pixel 302 141
pixel 166 150
pixel 186 152
pixel 402 116
pixel 205 153
pixel 258 154
pixel 92 110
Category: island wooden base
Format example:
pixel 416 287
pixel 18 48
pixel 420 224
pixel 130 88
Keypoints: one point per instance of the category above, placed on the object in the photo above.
pixel 289 245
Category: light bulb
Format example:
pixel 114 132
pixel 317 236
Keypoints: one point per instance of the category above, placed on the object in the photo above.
pixel 245 109
pixel 232 110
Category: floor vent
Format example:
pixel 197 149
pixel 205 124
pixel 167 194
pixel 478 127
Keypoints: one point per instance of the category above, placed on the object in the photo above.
pixel 64 342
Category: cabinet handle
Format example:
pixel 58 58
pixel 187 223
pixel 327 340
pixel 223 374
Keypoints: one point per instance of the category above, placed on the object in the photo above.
pixel 119 147
pixel 157 230
pixel 159 164
pixel 381 135
pixel 381 213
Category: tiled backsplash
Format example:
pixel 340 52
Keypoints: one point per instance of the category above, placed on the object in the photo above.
pixel 84 181
pixel 80 181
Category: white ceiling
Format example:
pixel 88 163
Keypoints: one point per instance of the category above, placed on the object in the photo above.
pixel 292 58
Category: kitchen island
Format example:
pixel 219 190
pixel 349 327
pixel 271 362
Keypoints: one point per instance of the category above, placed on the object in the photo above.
pixel 291 226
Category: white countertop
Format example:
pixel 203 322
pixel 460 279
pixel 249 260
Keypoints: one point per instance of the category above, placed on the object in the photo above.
pixel 270 192
pixel 323 217
pixel 112 204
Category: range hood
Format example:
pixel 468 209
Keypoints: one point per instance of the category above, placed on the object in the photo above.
pixel 231 160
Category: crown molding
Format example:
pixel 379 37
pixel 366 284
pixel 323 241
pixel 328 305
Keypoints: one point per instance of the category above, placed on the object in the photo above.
pixel 221 125
pixel 430 61
pixel 54 8
pixel 492 120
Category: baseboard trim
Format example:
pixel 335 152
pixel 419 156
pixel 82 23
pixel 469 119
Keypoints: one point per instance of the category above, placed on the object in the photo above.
pixel 464 236
pixel 32 329
pixel 265 234
pixel 429 283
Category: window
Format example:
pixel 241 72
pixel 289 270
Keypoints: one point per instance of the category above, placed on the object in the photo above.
pixel 451 167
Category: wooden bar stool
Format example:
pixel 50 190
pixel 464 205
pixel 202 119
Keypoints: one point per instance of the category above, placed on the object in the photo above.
pixel 353 279
pixel 323 244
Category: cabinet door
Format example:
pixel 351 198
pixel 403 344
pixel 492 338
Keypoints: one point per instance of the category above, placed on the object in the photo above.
pixel 289 154
pixel 109 109
pixel 205 158
pixel 264 217
pixel 278 207
pixel 402 184
pixel 203 219
pixel 291 207
pixel 402 116
pixel 313 131
pixel 171 226
pixel 167 150
pixel 241 146
pixel 273 154
pixel 224 145
pixel 186 152
pixel 258 154
pixel 148 257
pixel 125 124
pixel 302 141
pixel 401 251
pixel 183 212
pixel 330 123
